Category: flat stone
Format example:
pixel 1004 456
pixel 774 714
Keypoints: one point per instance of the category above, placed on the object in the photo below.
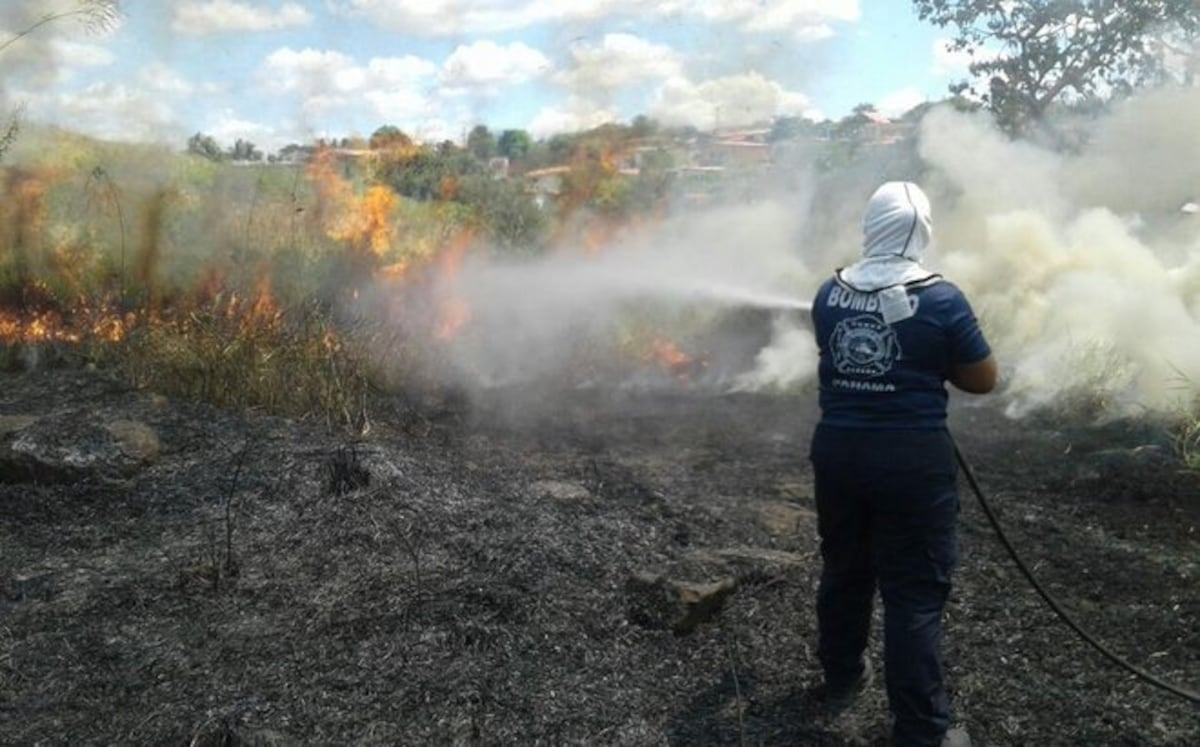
pixel 658 602
pixel 794 490
pixel 74 447
pixel 137 440
pixel 10 424
pixel 560 490
pixel 785 519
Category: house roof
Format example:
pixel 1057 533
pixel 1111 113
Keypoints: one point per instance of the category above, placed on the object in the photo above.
pixel 549 171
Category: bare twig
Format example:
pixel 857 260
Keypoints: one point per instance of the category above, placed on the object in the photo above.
pixel 102 177
pixel 11 130
pixel 230 565
pixel 97 16
pixel 737 687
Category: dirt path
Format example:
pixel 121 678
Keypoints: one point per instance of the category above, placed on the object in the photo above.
pixel 467 581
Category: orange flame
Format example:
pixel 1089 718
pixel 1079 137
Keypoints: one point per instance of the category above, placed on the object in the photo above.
pixel 454 315
pixel 673 360
pixel 365 222
pixel 454 312
pixel 39 327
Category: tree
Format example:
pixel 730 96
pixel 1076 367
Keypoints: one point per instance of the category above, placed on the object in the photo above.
pixel 503 210
pixel 560 147
pixel 514 144
pixel 205 146
pixel 1029 56
pixel 643 126
pixel 786 128
pixel 852 126
pixel 481 142
pixel 242 150
pixel 423 173
pixel 389 136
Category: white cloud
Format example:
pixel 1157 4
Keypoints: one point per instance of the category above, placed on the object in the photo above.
pixel 200 17
pixel 325 83
pixel 466 17
pixel 161 78
pixel 407 106
pixel 112 111
pixel 227 128
pixel 328 73
pixel 452 17
pixel 81 54
pixel 619 60
pixel 486 63
pixel 49 53
pixel 731 101
pixel 808 19
pixel 575 114
pixel 899 102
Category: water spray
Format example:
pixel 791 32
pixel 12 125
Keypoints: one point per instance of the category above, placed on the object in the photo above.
pixel 731 295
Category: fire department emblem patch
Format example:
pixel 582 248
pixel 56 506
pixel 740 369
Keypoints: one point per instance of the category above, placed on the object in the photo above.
pixel 863 346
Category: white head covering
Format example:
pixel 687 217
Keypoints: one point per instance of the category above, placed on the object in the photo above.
pixel 897 227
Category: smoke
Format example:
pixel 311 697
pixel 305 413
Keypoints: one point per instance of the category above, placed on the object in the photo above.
pixel 689 280
pixel 1081 265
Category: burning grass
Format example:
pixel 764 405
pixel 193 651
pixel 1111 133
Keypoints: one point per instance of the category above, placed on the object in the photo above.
pixel 465 583
pixel 236 355
pixel 290 290
pixel 221 285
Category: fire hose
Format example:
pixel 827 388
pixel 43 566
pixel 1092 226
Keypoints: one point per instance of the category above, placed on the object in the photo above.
pixel 1137 671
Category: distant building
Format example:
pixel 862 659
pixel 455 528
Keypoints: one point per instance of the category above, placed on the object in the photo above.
pixel 731 149
pixel 880 130
pixel 545 184
pixel 498 167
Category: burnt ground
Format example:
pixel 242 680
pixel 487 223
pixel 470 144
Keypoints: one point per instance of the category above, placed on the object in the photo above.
pixel 460 576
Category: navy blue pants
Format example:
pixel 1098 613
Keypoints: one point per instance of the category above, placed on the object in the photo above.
pixel 887 507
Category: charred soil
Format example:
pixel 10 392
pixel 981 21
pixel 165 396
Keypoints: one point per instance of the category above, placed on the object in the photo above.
pixel 461 575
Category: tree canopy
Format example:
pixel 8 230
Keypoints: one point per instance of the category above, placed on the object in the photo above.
pixel 205 146
pixel 1029 56
pixel 481 142
pixel 389 136
pixel 514 143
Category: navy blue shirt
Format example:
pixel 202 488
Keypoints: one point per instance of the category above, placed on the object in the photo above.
pixel 875 375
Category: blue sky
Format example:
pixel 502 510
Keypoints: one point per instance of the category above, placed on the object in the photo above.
pixel 275 71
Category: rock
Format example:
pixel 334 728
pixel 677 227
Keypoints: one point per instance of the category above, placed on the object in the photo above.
pixel 763 556
pixel 680 606
pixel 795 489
pixel 73 447
pixel 136 440
pixel 560 490
pixel 10 424
pixel 785 519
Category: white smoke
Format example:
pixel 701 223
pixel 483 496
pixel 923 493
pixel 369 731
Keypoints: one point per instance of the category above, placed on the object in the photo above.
pixel 1082 267
pixel 529 318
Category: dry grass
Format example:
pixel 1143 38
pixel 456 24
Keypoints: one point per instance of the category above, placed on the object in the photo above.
pixel 242 356
pixel 1187 442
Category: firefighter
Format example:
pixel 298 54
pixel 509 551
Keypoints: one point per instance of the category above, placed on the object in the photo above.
pixel 891 334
